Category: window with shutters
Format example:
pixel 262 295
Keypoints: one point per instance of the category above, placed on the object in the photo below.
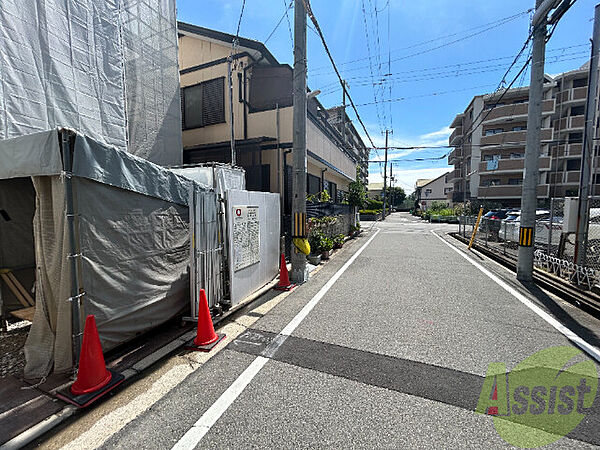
pixel 203 104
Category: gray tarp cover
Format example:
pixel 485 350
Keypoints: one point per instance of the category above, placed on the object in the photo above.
pixel 133 232
pixel 107 68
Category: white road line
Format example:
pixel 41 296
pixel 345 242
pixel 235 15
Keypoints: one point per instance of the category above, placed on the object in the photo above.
pixel 568 333
pixel 195 434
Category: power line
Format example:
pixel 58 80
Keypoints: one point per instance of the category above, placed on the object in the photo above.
pixel 287 7
pixel 488 27
pixel 370 62
pixel 466 63
pixel 318 28
pixel 237 33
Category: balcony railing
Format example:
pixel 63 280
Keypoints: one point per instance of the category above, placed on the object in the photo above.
pixel 454 175
pixel 508 191
pixel 569 123
pixel 514 165
pixel 516 110
pixel 573 94
pixel 569 150
pixel 514 137
pixel 455 136
pixel 570 177
pixel 456 153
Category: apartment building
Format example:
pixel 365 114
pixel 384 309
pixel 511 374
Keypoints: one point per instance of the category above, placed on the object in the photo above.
pixel 489 142
pixel 338 118
pixel 262 100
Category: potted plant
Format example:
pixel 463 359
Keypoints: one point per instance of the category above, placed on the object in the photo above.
pixel 326 246
pixel 316 240
pixel 355 230
pixel 338 241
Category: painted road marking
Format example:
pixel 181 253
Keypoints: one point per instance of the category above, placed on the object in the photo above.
pixel 195 434
pixel 585 346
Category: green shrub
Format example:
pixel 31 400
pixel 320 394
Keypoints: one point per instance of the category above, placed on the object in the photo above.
pixel 316 239
pixel 373 204
pixel 370 211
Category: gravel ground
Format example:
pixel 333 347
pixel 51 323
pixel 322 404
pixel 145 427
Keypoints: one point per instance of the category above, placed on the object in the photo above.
pixel 12 358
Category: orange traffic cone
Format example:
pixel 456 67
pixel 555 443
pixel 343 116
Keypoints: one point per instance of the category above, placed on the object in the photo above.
pixel 206 338
pixel 284 279
pixel 92 375
pixel 93 378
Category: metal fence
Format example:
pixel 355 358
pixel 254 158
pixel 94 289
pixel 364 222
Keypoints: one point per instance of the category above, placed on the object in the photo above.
pixel 345 217
pixel 554 247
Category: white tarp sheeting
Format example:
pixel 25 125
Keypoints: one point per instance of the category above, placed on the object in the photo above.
pixel 105 68
pixel 132 234
pixel 220 177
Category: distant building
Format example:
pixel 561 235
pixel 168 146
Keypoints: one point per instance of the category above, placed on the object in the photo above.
pixel 263 114
pixel 489 142
pixel 375 190
pixel 437 189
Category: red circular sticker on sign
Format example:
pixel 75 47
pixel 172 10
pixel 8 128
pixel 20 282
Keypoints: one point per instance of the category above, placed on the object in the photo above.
pixel 238 212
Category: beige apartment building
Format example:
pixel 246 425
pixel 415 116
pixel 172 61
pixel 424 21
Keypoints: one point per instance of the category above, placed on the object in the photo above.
pixel 488 157
pixel 262 117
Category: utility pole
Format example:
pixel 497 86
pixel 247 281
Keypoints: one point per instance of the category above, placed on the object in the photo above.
pixel 231 123
pixel 532 150
pixel 587 148
pixel 387 132
pixel 391 184
pixel 299 269
pixel 345 85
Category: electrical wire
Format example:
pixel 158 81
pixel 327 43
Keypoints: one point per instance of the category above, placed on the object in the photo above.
pixel 237 33
pixel 443 68
pixel 492 25
pixel 306 4
pixel 287 7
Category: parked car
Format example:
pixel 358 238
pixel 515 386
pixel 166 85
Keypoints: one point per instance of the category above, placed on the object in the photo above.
pixel 512 216
pixel 498 214
pixel 509 229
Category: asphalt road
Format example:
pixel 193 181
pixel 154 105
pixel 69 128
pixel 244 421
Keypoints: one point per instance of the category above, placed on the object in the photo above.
pixel 392 355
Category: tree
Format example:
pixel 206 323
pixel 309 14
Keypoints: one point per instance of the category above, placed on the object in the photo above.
pixel 357 191
pixel 409 202
pixel 395 196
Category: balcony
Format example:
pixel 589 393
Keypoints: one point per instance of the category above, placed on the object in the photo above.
pixel 457 121
pixel 513 165
pixel 514 137
pixel 456 136
pixel 453 155
pixel 516 111
pixel 569 123
pixel 569 150
pixel 572 95
pixel 508 191
pixel 454 175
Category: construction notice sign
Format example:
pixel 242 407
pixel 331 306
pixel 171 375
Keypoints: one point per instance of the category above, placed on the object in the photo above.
pixel 246 236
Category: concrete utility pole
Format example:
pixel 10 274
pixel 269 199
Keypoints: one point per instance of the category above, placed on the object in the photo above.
pixel 532 150
pixel 387 132
pixel 588 149
pixel 391 184
pixel 344 113
pixel 231 122
pixel 299 269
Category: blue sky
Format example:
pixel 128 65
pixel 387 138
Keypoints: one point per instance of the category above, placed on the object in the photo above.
pixel 442 53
